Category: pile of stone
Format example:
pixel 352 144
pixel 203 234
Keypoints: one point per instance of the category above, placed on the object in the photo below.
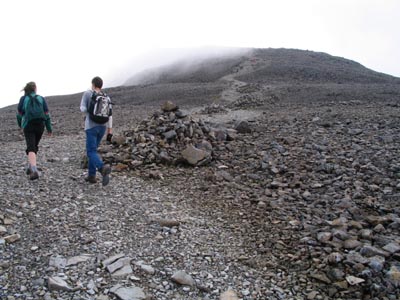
pixel 246 101
pixel 214 109
pixel 170 137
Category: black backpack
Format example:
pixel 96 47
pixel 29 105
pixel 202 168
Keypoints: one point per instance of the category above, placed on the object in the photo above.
pixel 100 108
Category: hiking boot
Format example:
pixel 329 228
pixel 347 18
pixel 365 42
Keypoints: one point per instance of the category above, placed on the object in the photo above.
pixel 105 172
pixel 28 170
pixel 33 175
pixel 91 179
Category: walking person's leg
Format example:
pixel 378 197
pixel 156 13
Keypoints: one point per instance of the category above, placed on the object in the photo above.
pixel 30 142
pixel 93 139
pixel 105 170
pixel 34 173
pixel 91 151
pixel 38 131
pixel 101 130
pixel 33 134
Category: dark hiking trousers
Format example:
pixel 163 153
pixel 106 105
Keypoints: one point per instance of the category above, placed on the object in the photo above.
pixel 33 133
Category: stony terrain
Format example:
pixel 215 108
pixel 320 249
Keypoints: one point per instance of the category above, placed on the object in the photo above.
pixel 293 197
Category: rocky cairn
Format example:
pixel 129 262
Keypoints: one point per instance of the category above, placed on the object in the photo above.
pixel 170 137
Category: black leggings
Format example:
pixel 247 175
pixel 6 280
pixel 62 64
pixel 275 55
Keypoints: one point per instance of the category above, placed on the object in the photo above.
pixel 33 133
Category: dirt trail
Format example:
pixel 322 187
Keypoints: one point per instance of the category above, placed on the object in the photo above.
pixel 231 93
pixel 229 96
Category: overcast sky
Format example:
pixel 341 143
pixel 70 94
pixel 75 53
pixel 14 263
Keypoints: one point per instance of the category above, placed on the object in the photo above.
pixel 63 44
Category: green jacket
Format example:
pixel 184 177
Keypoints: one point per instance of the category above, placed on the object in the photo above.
pixel 22 122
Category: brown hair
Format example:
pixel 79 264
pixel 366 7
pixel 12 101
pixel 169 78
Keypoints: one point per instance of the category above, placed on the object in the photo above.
pixel 30 87
pixel 97 82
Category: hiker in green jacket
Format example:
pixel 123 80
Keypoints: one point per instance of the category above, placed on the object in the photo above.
pixel 33 115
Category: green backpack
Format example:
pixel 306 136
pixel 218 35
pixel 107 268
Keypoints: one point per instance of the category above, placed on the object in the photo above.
pixel 33 107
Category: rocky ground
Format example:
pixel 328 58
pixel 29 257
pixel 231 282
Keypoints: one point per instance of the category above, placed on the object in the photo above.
pixel 58 231
pixel 303 206
pixel 242 193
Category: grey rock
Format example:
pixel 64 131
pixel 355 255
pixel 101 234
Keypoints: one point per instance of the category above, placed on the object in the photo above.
pixel 355 131
pixel 122 272
pixel 321 277
pixel 393 275
pixel 231 134
pixel 181 114
pixel 339 222
pixel 91 286
pixel 336 274
pixel 205 145
pixel 376 263
pixel 243 127
pixel 312 295
pixel 379 228
pixel 351 244
pixel 146 268
pixel 225 175
pixel 306 195
pixel 354 258
pixel 324 237
pixel 375 220
pixel 165 157
pixel 118 264
pixel 58 262
pixel 169 134
pixel 229 295
pixel 366 234
pixel 340 234
pixel 169 223
pixel 183 278
pixel 169 106
pixel 3 230
pixel 372 251
pixel 72 261
pixel 352 280
pixel 392 247
pixel 128 293
pixel 58 284
pixel 112 259
pixel 12 238
pixel 220 135
pixel 118 140
pixel 335 257
pixel 193 155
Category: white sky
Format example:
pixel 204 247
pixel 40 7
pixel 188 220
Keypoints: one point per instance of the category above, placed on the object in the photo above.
pixel 62 45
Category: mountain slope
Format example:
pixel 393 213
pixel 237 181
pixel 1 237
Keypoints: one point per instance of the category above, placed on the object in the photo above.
pixel 267 65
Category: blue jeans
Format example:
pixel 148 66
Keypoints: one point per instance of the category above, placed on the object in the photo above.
pixel 93 139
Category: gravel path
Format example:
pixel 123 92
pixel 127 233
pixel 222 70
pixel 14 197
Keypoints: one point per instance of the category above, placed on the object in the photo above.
pixel 62 216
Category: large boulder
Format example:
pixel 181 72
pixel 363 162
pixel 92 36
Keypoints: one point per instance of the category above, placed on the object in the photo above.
pixel 169 106
pixel 243 127
pixel 195 156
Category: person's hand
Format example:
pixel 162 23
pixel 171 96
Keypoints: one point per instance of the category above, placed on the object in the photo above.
pixel 109 137
pixel 49 134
